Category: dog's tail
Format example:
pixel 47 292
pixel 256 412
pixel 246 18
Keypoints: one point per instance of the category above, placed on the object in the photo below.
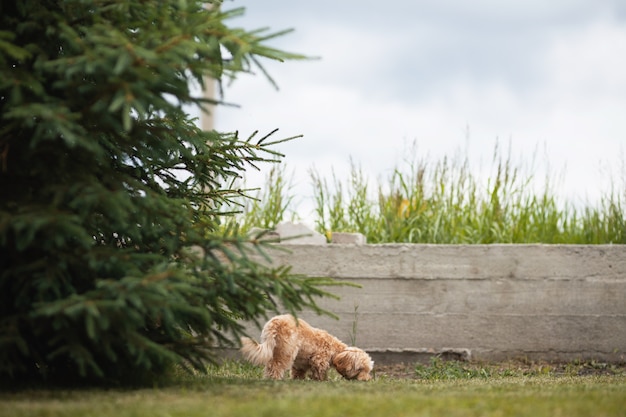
pixel 257 353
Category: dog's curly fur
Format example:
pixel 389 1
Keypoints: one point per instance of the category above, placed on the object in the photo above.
pixel 289 343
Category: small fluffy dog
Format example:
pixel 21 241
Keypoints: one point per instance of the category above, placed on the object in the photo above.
pixel 289 343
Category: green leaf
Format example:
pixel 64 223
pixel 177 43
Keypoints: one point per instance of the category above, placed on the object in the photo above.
pixel 123 62
pixel 10 49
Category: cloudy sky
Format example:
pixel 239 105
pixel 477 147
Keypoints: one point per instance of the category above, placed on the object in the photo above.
pixel 546 77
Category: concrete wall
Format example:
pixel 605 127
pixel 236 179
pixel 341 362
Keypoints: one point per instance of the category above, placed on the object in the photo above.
pixel 485 302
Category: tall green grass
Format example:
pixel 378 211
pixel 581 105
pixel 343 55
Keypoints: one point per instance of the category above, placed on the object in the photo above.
pixel 263 207
pixel 446 201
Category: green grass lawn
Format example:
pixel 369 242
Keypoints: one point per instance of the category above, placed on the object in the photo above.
pixel 233 391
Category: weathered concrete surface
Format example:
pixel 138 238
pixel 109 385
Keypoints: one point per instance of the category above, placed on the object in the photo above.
pixel 492 302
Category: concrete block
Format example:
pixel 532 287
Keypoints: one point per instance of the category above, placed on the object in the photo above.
pixel 348 238
pixel 540 302
pixel 263 234
pixel 298 234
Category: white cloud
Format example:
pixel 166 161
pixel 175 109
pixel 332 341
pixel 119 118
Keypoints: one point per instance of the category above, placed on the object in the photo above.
pixel 556 77
pixel 590 61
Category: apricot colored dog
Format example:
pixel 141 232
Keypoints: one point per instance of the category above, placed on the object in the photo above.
pixel 287 343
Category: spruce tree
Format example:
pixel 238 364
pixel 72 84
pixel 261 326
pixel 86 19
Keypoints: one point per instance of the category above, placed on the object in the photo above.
pixel 113 260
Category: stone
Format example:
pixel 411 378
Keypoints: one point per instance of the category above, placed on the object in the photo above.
pixel 298 234
pixel 257 233
pixel 348 238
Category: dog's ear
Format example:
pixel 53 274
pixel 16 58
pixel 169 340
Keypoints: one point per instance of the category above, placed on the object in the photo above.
pixel 346 364
pixel 353 363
